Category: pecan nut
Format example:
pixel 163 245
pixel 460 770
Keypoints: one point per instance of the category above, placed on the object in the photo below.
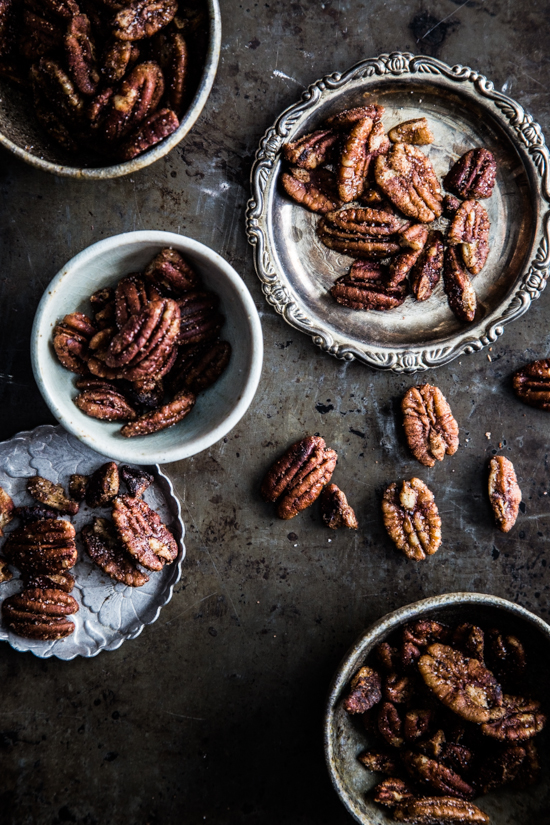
pixel 473 175
pixel 104 548
pixel 77 486
pixel 390 725
pixel 356 244
pixel 103 485
pixel 349 117
pixel 105 403
pixel 311 188
pixel 308 482
pixel 398 688
pixel 408 180
pixel 400 266
pixel 71 339
pixel 197 368
pixel 521 719
pixel 416 724
pixel 450 205
pixel 440 777
pixel 45 546
pixel 365 141
pixel 425 632
pixel 282 473
pixel 460 292
pixel 170 272
pixel 412 519
pixel 368 287
pixel 145 340
pixel 135 479
pixel 470 640
pixel 49 581
pixel 52 83
pixel 439 810
pixel 463 685
pixel 391 792
pixel 7 510
pixel 365 691
pixel 504 492
pixel 162 418
pixel 379 761
pixel 35 512
pixel 367 221
pixel 431 430
pixel 506 656
pixel 118 57
pixel 173 55
pixel 148 393
pixel 130 299
pixel 416 132
pixel 154 128
pixel 200 319
pixel 312 150
pixel 335 510
pixel 469 229
pixel 143 533
pixel 138 96
pixel 80 53
pixel 501 769
pixel 426 272
pixel 532 384
pixel 51 495
pixel 413 236
pixel 143 18
pixel 40 614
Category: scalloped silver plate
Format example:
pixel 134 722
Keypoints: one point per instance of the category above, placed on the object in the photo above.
pixel 464 111
pixel 109 612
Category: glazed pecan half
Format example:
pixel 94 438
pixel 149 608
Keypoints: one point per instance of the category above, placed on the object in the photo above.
pixel 138 96
pixel 135 479
pixel 439 810
pixel 398 688
pixel 143 18
pixel 170 271
pixel 104 548
pixel 380 761
pixel 130 298
pixel 312 150
pixel 532 384
pixel 35 512
pixel 416 132
pixel 450 205
pixel 412 519
pixel 40 614
pixel 365 141
pixel 469 229
pixel 154 128
pixel 51 495
pixel 118 57
pixel 71 339
pixel 367 286
pixel 426 272
pixel 335 510
pixel 77 486
pixel 200 319
pixel 460 292
pixel 143 534
pixel 356 244
pixel 504 492
pixel 45 546
pixel 473 175
pixel 464 685
pixel 391 792
pixel 48 581
pixel 400 266
pixel 431 430
pixel 103 485
pixel 367 220
pixel 390 724
pixel 308 483
pixel 7 510
pixel 312 189
pixel 516 720
pixel 197 368
pixel 470 640
pixel 281 475
pixel 348 117
pixel 407 178
pixel 80 51
pixel 413 236
pixel 106 403
pixel 365 691
pixel 161 418
pixel 438 775
pixel 501 769
pixel 145 340
pixel 506 658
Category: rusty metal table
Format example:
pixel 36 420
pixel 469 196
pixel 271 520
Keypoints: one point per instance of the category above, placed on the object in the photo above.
pixel 214 714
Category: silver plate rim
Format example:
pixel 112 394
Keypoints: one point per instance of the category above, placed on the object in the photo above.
pixel 277 287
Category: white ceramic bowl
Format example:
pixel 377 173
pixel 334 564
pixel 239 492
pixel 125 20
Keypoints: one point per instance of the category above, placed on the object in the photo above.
pixel 217 410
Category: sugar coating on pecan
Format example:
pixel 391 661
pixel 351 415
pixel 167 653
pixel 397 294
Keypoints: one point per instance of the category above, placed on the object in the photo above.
pixel 5 573
pixel 117 57
pixel 426 271
pixel 391 792
pixel 473 175
pixel 431 429
pixel 143 533
pixel 366 140
pixel 365 691
pixel 518 719
pixel 440 809
pixel 469 229
pixel 460 292
pixel 80 51
pixel 335 510
pixel 413 236
pixel 51 495
pixel 40 614
pixel 366 220
pixel 130 298
pixel 311 150
pixel 143 18
pixel 311 188
pixel 170 271
pixel 369 287
pixel 49 581
pixel 307 484
pixel 71 338
pixel 106 404
pixel 7 510
pixel 415 131
pixel 160 419
pixel 470 640
pixel 154 127
pixel 464 685
pixel 282 473
pixel 412 519
pixel 104 548
pixel 356 244
pixel 45 546
pixel 504 492
pixel 144 341
pixel 532 384
pixel 135 479
pixel 138 96
pixel 407 178
pixel 103 485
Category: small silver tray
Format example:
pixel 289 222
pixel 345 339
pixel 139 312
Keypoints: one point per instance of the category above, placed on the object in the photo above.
pixel 464 111
pixel 110 612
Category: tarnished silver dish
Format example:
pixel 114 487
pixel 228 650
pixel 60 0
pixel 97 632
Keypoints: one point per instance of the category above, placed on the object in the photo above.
pixel 464 111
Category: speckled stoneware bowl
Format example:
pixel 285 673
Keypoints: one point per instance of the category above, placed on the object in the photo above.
pixel 344 738
pixel 21 133
pixel 217 410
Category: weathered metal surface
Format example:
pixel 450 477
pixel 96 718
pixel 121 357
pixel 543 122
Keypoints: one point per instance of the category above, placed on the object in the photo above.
pixel 214 714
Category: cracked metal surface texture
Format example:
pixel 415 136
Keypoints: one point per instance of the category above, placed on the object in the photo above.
pixel 214 714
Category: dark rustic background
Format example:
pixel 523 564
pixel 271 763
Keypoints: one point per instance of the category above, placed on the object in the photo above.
pixel 214 714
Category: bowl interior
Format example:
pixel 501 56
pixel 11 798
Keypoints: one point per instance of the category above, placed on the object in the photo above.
pixel 346 738
pixel 217 410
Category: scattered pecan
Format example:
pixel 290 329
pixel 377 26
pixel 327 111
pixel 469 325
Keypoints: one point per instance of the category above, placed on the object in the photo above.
pixel 281 475
pixel 48 581
pixel 40 614
pixel 103 485
pixel 431 430
pixel 105 403
pixel 311 188
pixel 143 18
pixel 413 236
pixel 412 519
pixel 504 492
pixel 532 384
pixel 440 809
pixel 379 761
pixel 200 319
pixel 520 719
pixel 469 229
pixel 45 546
pixel 197 368
pixel 71 338
pixel 35 512
pixel 308 483
pixel 360 290
pixel 473 175
pixel 7 510
pixel 161 418
pixel 5 573
pixel 506 656
pixel 80 52
pixel 440 777
pixel 356 244
pixel 426 272
pixel 407 178
pixel 450 205
pixel 470 640
pixel 143 534
pixel 138 96
pixel 312 150
pixel 365 691
pixel 463 685
pixel 391 792
pixel 52 495
pixel 170 271
pixel 335 509
pixel 460 292
pixel 135 479
pixel 416 132
pixel 77 486
pixel 390 724
pixel 104 548
pixel 398 688
pixel 154 128
pixel 369 221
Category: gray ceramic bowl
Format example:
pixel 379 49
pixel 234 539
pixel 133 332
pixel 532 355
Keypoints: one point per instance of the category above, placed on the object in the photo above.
pixel 21 133
pixel 344 739
pixel 217 410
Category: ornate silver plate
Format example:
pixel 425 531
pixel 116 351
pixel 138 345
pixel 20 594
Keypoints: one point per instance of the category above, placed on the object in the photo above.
pixel 464 111
pixel 109 612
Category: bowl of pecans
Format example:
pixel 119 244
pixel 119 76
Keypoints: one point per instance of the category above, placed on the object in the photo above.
pixel 98 90
pixel 436 715
pixel 148 347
